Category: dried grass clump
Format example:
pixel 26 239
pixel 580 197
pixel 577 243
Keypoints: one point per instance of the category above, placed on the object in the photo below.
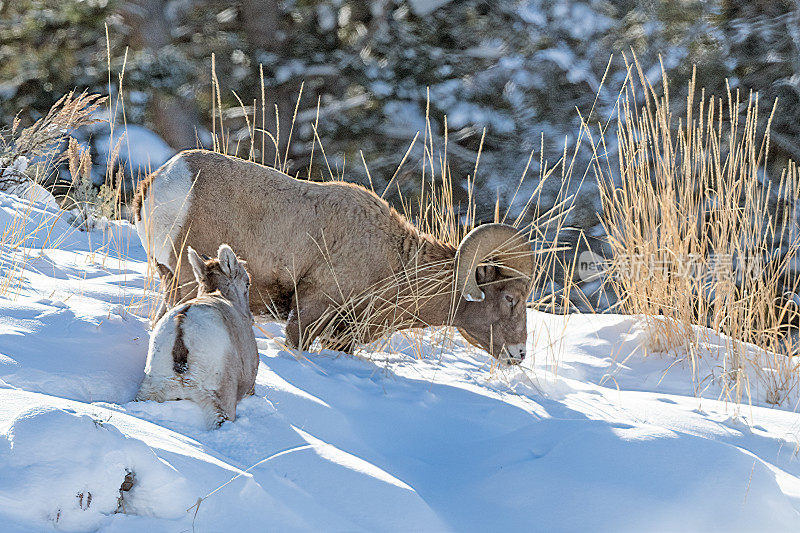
pixel 700 234
pixel 42 142
pixel 32 157
pixel 29 157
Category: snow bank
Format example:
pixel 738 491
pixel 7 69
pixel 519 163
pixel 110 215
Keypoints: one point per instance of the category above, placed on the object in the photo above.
pixel 588 434
pixel 140 150
pixel 99 357
pixel 65 467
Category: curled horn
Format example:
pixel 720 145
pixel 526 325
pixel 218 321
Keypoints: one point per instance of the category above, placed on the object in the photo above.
pixel 511 249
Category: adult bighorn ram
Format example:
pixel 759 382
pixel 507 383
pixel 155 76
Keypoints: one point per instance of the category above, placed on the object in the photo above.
pixel 333 259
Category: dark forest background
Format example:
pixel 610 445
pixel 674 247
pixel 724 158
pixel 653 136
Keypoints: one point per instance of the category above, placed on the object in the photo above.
pixel 520 70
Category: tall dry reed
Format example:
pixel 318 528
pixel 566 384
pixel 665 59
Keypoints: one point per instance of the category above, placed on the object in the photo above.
pixel 702 235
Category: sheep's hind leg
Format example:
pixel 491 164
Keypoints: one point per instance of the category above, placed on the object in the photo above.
pixel 167 291
pixel 214 412
pixel 151 390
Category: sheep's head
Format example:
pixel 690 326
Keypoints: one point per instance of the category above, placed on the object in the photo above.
pixel 492 312
pixel 225 273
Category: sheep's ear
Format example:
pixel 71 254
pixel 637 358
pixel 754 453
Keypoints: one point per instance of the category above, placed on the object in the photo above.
pixel 227 260
pixel 198 265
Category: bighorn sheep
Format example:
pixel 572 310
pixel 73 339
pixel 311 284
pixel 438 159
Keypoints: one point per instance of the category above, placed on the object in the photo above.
pixel 204 350
pixel 313 247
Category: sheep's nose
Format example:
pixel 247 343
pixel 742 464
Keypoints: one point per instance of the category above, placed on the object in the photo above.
pixel 515 353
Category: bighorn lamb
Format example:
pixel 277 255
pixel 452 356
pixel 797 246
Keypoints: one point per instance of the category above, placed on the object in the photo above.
pixel 333 259
pixel 204 350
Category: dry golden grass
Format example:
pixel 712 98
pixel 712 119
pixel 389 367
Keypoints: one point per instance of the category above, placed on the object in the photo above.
pixel 42 140
pixel 41 145
pixel 84 206
pixel 701 236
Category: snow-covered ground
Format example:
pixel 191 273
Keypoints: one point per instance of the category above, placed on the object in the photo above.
pixel 588 435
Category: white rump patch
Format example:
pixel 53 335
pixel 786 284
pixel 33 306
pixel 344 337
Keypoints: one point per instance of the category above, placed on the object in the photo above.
pixel 164 209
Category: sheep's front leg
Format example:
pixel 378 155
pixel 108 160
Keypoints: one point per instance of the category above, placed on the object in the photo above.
pixel 340 338
pixel 304 326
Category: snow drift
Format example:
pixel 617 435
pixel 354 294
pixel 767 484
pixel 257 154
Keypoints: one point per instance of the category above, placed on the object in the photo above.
pixel 589 434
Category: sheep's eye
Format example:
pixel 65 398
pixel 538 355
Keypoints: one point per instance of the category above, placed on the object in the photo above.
pixel 510 299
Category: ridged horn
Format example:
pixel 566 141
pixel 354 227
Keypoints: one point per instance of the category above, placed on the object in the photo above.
pixel 511 249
